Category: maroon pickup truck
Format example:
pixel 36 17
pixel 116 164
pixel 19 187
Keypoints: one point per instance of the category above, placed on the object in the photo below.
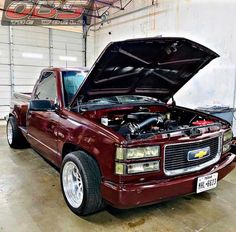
pixel 112 133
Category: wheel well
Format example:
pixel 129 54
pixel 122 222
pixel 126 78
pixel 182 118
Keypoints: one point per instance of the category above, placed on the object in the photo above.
pixel 69 147
pixel 11 115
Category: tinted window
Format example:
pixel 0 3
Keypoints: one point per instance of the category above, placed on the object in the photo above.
pixel 72 80
pixel 46 88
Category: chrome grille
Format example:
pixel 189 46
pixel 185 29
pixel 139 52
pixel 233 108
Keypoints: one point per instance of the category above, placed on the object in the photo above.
pixel 176 156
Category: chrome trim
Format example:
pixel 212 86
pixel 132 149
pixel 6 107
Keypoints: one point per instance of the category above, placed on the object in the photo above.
pixel 198 167
pixel 23 131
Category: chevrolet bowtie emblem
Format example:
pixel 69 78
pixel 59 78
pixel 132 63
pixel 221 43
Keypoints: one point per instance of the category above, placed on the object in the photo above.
pixel 200 154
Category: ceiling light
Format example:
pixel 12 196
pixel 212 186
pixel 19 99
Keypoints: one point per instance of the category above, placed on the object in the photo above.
pixel 68 58
pixel 32 55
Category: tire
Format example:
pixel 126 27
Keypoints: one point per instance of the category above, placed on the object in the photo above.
pixel 15 138
pixel 81 171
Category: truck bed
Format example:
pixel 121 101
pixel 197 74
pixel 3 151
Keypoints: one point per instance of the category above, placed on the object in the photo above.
pixel 20 98
pixel 19 104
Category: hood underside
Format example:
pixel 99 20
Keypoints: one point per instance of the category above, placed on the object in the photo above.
pixel 154 67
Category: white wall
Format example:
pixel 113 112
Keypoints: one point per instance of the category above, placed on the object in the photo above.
pixel 91 56
pixel 210 23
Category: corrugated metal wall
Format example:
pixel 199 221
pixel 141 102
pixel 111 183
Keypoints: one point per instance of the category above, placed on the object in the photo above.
pixel 25 51
pixel 5 80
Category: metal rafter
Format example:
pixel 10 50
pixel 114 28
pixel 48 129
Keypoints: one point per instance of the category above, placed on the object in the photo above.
pixel 108 3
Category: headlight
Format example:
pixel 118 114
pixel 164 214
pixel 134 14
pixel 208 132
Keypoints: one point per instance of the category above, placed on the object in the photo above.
pixel 228 136
pixel 226 147
pixel 120 169
pixel 135 168
pixel 143 167
pixel 137 153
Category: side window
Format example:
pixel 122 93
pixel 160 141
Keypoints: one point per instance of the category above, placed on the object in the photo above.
pixel 46 89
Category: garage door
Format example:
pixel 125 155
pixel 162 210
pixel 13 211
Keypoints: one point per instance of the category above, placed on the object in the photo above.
pixel 5 80
pixel 25 51
pixel 67 51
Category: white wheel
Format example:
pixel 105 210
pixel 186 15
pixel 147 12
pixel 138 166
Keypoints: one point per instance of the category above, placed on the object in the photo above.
pixel 15 138
pixel 72 184
pixel 80 182
pixel 9 133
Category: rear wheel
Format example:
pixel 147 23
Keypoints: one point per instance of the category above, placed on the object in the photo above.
pixel 14 136
pixel 80 182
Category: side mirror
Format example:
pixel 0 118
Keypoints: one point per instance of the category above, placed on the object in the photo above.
pixel 41 105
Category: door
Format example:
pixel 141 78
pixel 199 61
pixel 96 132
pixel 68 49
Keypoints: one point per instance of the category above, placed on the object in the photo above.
pixel 42 126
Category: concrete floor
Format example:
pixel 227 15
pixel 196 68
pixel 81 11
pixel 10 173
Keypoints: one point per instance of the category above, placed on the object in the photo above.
pixel 31 200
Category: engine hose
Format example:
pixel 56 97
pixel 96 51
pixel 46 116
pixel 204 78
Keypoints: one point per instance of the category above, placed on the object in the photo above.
pixel 133 128
pixel 147 122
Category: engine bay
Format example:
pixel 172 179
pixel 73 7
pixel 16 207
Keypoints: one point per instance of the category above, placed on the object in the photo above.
pixel 143 122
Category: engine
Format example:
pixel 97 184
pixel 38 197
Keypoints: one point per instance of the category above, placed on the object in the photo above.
pixel 146 123
pixel 141 122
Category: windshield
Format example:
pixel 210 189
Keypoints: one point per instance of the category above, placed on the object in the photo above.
pixel 127 99
pixel 72 80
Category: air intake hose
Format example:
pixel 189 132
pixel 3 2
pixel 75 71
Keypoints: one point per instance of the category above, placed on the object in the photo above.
pixel 133 128
pixel 139 126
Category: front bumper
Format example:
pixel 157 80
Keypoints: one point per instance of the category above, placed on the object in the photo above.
pixel 134 195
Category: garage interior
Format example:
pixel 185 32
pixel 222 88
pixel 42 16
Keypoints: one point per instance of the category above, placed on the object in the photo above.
pixel 30 194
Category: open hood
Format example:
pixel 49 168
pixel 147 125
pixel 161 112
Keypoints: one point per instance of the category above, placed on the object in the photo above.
pixel 155 67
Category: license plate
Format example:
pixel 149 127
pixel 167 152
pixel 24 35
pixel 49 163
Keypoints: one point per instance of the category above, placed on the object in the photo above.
pixel 205 183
